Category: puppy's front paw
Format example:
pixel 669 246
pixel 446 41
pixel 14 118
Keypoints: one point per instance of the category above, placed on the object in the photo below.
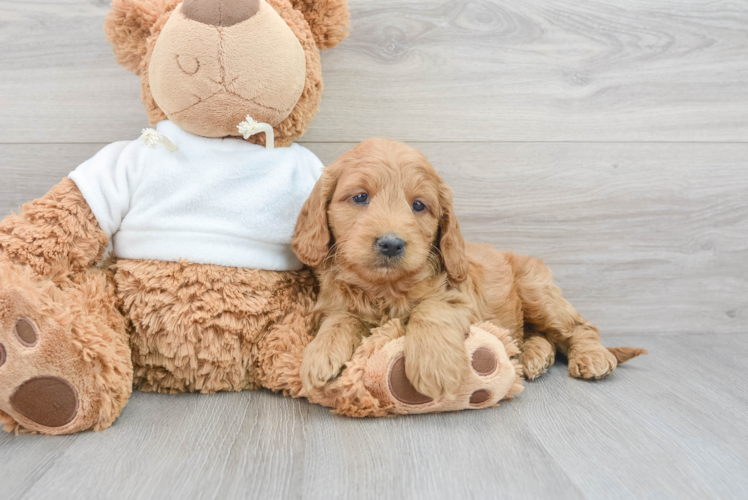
pixel 434 371
pixel 538 354
pixel 595 363
pixel 534 364
pixel 320 365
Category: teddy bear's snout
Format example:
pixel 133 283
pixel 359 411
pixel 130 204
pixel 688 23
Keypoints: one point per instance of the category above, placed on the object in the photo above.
pixel 221 13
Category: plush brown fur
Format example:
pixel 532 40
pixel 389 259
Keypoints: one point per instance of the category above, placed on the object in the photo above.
pixel 438 287
pixel 201 328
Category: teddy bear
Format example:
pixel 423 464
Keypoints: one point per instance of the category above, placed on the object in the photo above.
pixel 201 291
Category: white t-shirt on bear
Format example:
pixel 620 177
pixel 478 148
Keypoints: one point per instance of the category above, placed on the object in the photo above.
pixel 213 201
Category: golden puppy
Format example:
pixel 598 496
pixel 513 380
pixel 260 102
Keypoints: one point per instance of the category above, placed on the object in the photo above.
pixel 380 231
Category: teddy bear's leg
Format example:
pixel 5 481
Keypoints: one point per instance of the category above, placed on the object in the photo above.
pixel 64 361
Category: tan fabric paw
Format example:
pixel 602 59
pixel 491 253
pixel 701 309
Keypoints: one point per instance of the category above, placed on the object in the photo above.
pixel 493 375
pixel 64 366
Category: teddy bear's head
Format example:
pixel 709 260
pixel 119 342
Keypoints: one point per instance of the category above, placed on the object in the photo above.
pixel 207 64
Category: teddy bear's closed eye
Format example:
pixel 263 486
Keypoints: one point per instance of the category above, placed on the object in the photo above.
pixel 189 64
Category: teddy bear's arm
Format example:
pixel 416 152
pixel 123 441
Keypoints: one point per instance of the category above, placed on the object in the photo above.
pixel 57 233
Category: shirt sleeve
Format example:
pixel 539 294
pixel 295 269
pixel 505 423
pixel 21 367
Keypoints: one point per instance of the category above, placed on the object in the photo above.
pixel 313 164
pixel 105 181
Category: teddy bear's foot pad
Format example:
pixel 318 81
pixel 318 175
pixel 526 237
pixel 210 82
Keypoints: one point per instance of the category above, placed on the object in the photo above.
pixel 31 392
pixel 48 401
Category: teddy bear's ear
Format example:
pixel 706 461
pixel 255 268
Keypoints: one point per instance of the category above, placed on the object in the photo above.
pixel 329 20
pixel 128 26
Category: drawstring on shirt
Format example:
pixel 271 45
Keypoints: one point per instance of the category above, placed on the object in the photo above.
pixel 152 138
pixel 250 127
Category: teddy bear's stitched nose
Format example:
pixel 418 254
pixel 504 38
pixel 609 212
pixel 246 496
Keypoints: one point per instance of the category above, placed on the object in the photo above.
pixel 220 12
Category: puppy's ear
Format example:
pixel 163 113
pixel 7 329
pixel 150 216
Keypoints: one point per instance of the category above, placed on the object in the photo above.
pixel 328 19
pixel 451 244
pixel 311 238
pixel 128 27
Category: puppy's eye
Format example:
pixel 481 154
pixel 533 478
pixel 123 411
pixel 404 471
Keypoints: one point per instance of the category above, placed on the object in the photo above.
pixel 361 199
pixel 418 206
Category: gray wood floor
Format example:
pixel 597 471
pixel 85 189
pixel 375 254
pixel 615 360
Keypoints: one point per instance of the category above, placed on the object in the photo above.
pixel 671 425
pixel 609 138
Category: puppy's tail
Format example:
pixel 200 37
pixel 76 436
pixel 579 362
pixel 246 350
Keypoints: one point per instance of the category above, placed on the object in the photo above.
pixel 623 354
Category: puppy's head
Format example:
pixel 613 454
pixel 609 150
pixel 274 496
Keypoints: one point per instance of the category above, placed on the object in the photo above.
pixel 384 213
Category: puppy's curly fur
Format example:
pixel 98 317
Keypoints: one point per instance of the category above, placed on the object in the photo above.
pixel 438 285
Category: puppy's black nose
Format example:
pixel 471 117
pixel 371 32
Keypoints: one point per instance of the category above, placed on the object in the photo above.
pixel 390 246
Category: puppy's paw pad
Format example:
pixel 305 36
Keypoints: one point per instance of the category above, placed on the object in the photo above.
pixel 47 401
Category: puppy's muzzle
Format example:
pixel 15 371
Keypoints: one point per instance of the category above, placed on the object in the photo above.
pixel 390 246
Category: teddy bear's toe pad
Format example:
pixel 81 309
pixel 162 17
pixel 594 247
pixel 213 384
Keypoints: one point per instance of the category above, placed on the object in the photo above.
pixel 48 401
pixel 26 332
pixel 484 361
pixel 480 396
